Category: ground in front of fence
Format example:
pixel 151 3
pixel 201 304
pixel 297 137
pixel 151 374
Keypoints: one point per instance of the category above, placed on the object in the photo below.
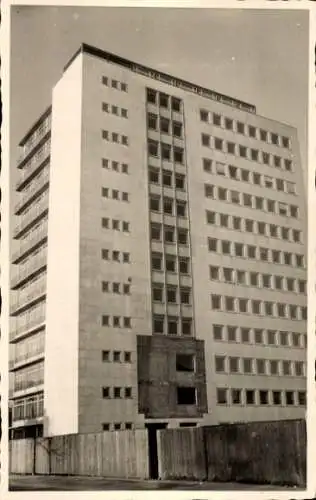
pixel 82 483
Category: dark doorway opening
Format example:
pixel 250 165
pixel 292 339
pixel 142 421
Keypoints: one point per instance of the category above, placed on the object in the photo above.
pixel 153 449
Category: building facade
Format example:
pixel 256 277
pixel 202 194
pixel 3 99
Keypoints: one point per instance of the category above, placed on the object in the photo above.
pixel 159 269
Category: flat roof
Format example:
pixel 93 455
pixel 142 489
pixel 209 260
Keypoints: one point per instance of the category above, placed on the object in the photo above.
pixel 163 77
pixel 35 125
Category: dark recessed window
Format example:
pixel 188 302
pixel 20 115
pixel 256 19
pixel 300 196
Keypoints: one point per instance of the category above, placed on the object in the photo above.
pixel 186 396
pixel 185 362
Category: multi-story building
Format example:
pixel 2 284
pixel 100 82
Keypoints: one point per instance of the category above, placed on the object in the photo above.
pixel 160 270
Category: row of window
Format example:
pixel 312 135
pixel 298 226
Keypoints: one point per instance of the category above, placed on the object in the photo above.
pixel 115 194
pixel 115 166
pixel 259 336
pixel 166 152
pixel 244 129
pixel 117 392
pixel 224 364
pixel 253 226
pixel 164 100
pixel 115 137
pixel 170 263
pixel 244 175
pixel 114 84
pixel 258 307
pixel 115 255
pixel 169 233
pixel 118 426
pixel 260 397
pixel 172 325
pixel 164 125
pixel 245 152
pixel 115 287
pixel 117 356
pixel 241 250
pixel 116 321
pixel 114 110
pixel 171 294
pixel 255 279
pixel 250 201
pixel 166 178
pixel 168 205
pixel 116 224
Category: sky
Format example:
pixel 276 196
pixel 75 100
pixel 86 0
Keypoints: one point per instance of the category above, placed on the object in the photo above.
pixel 258 56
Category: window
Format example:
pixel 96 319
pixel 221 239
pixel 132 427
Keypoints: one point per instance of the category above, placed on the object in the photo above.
pixel 116 256
pixel 127 322
pixel 228 275
pixel 157 291
pixel 252 131
pixel 236 396
pixel 166 178
pixel 289 398
pixel 125 196
pixel 177 129
pixel 290 284
pixel 228 124
pixel 128 392
pixel 115 137
pixel 222 194
pixel 182 236
pixel 216 120
pixel 221 396
pixel 286 368
pixel 218 143
pixel 240 128
pixel 284 338
pixel 301 398
pixel 234 365
pixel 288 165
pixel 105 320
pixel 123 87
pixel 250 397
pixel 105 286
pixel 183 265
pixel 254 279
pixel 105 163
pixel 114 84
pixel 243 151
pixel 268 306
pixel 151 96
pixel 185 295
pixel 233 172
pixel 181 208
pixel 266 280
pixel 168 206
pixel 116 356
pixel 256 307
pixel 285 142
pixel 186 395
pixel 126 257
pixel 254 154
pixel 232 333
pixel 212 244
pixel 230 304
pixel 152 121
pixel 180 181
pixel 258 336
pixel 163 100
pixel 274 367
pixel 249 225
pixel 176 104
pixel 105 107
pixel 276 256
pixel 299 260
pixel 158 324
pixel 226 247
pixel 155 232
pixel 117 392
pixel 214 273
pixel 171 294
pixel 172 326
pixel 263 397
pixel 152 148
pixel 296 235
pixel 127 357
pixel 209 190
pixel 299 368
pixel 105 392
pixel 124 168
pixel 290 187
pixel 206 140
pixel 115 194
pixel 216 302
pixel 115 166
pixel 204 115
pixel 218 332
pixel 105 356
pixel 247 365
pixel 302 286
pixel 165 151
pixel 231 148
pixel 125 226
pixel 245 335
pixel 264 254
pixel 207 165
pixel 105 134
pixel 247 200
pixel 105 80
pixel 294 211
pixel 105 427
pixel 276 397
pixel 259 203
pixel 105 222
pixel 116 321
pixel 241 277
pixel 170 263
pixel 239 249
pixel 185 362
pixel 104 254
pixel 186 326
pixel 261 366
pixel 153 176
pixel 266 158
pixel 116 287
pixel 223 220
pixel 251 251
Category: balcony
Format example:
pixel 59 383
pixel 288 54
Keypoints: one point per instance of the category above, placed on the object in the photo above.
pixel 28 197
pixel 28 298
pixel 28 408
pixel 37 212
pixel 29 244
pixel 40 135
pixel 32 326
pixel 29 270
pixel 25 387
pixel 35 164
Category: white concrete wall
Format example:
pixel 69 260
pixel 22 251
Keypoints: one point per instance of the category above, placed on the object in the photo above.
pixel 61 350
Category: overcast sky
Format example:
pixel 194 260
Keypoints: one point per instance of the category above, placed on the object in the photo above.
pixel 259 56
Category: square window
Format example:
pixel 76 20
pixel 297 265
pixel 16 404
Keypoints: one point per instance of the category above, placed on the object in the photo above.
pixel 105 163
pixel 126 289
pixel 284 338
pixel 153 176
pixel 222 194
pixel 153 148
pixel 243 305
pixel 186 395
pixel 180 181
pixel 254 279
pixel 272 337
pixel 104 254
pixel 220 364
pixel 105 107
pixel 116 256
pixel 124 87
pixel 285 142
pixel 181 208
pixel 259 203
pixel 268 306
pixel 241 277
pixel 155 232
pixel 115 137
pixel 288 165
pixel 117 427
pixel 249 225
pixel 266 158
pixel 256 178
pixel 276 256
pixel 296 235
pixel 247 200
pixel 221 396
pixel 264 254
pixel 185 295
pixel 294 211
pixel 256 307
pixel 171 294
pixel 184 362
pixel 116 287
pixel 286 368
pixel 242 151
pixel 254 154
pixel 266 280
pixel 271 206
pixel 105 286
pixel 168 206
pixel 105 427
pixel 114 84
pixel 281 310
pixel 209 190
pixel 263 135
pixel 125 196
pixel 114 110
pixel 105 80
pixel 125 226
pixel 157 292
pixel 233 172
pixel 115 166
pixel 115 194
pixel 275 139
pixel 124 113
pixel 228 275
pixel 105 222
pixel 226 245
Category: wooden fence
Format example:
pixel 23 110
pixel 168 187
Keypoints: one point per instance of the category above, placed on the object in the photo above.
pixel 267 452
pixel 122 454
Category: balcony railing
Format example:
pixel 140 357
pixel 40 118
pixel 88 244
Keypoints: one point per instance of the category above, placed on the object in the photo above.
pixel 24 384
pixel 27 297
pixel 32 325
pixel 28 408
pixel 27 357
pixel 31 217
pixel 35 163
pixel 29 243
pixel 37 136
pixel 40 185
pixel 29 270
